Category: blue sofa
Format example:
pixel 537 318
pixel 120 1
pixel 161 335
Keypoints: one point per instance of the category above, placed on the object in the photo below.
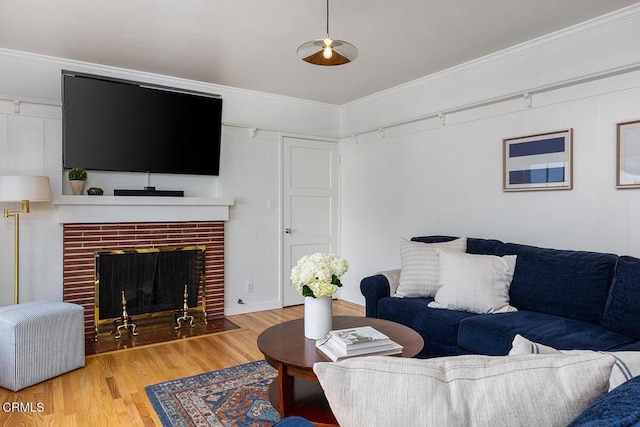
pixel 565 299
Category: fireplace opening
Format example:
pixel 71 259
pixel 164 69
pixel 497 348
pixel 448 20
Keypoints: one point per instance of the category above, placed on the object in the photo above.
pixel 153 281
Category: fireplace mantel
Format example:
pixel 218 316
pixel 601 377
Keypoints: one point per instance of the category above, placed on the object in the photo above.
pixel 100 209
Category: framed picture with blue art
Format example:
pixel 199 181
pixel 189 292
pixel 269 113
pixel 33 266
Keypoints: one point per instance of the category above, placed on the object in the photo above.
pixel 538 162
pixel 628 155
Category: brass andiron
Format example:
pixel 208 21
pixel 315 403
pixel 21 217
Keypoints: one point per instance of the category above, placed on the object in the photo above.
pixel 125 320
pixel 185 311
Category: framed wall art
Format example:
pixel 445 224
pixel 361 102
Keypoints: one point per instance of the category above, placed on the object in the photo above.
pixel 538 162
pixel 628 155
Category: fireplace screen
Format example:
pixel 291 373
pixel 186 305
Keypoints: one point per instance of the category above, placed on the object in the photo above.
pixel 153 281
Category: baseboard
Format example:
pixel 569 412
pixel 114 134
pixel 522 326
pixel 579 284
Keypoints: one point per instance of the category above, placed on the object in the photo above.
pixel 251 308
pixel 352 298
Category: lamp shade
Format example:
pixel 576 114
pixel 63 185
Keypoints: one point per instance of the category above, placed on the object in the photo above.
pixel 342 52
pixel 19 188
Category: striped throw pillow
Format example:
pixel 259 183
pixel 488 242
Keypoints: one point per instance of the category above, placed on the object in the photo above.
pixel 526 390
pixel 420 269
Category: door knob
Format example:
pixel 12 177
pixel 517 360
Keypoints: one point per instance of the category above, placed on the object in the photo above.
pixel 287 230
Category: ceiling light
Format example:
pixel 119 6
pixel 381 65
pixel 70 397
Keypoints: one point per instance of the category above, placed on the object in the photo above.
pixel 327 51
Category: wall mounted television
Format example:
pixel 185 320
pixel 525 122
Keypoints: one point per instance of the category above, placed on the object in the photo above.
pixel 118 125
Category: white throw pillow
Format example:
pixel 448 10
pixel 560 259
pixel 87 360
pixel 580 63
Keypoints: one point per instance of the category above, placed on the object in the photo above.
pixel 419 262
pixel 474 283
pixel 527 390
pixel 627 363
pixel 521 345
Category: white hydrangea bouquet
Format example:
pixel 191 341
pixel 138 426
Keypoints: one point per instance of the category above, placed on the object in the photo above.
pixel 318 275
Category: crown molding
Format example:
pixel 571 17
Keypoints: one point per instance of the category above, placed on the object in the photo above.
pixel 146 77
pixel 557 38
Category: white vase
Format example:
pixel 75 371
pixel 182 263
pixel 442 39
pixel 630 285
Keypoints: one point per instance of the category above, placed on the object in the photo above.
pixel 318 317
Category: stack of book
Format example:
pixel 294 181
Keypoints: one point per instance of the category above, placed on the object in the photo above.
pixel 360 341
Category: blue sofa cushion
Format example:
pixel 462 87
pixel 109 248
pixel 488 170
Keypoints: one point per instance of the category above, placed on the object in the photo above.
pixel 572 284
pixel 438 328
pixel 622 311
pixel 474 245
pixel 618 408
pixel 493 334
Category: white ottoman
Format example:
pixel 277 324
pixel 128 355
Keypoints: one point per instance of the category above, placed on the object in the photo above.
pixel 39 340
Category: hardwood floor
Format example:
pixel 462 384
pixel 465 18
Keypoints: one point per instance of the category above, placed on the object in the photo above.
pixel 109 390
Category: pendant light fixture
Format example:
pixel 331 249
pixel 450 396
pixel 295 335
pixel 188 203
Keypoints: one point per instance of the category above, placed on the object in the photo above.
pixel 327 51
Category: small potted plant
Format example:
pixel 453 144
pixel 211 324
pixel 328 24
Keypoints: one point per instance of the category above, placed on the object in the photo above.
pixel 77 178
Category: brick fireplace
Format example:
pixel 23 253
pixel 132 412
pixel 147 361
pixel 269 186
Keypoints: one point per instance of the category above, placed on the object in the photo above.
pixel 83 240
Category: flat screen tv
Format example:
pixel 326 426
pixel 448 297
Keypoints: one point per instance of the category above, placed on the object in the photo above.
pixel 116 125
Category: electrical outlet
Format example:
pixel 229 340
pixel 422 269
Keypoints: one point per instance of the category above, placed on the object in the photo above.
pixel 248 287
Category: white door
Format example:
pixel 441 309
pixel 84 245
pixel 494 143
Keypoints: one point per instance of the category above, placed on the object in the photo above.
pixel 310 197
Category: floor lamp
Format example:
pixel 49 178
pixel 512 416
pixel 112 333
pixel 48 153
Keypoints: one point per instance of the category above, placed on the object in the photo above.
pixel 23 189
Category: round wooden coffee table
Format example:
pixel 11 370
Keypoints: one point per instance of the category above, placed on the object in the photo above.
pixel 297 391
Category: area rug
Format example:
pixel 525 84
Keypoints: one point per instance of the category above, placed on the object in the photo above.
pixel 232 397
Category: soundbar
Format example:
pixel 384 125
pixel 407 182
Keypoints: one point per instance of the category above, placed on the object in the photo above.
pixel 149 191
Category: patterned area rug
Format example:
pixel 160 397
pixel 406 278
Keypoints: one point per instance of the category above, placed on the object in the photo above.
pixel 232 397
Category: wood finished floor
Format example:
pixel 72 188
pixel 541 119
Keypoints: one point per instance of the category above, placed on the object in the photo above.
pixel 109 390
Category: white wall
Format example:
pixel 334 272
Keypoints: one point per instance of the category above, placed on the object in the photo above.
pixel 25 139
pixel 252 235
pixel 405 173
pixel 30 143
pixel 428 178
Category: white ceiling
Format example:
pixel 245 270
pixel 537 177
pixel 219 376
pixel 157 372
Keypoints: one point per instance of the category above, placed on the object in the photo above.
pixel 252 44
